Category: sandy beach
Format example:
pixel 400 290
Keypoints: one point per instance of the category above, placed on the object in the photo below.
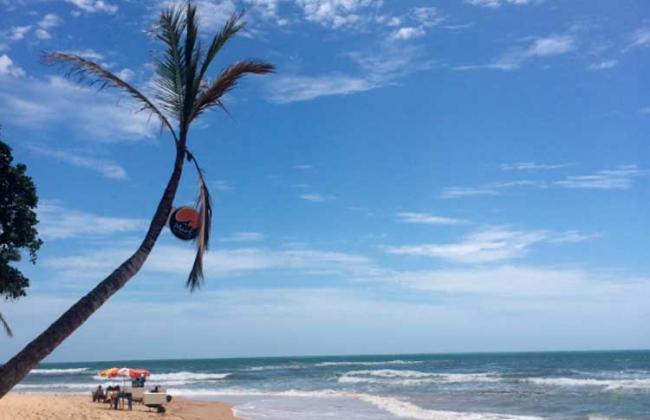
pixel 66 407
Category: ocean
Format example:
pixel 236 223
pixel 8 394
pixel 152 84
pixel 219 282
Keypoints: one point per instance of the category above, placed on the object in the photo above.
pixel 549 385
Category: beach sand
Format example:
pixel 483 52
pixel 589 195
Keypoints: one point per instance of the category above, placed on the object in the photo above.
pixel 66 407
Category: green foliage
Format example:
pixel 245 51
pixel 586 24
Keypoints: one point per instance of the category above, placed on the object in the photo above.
pixel 18 200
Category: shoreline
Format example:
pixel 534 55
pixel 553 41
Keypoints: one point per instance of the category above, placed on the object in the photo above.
pixel 71 407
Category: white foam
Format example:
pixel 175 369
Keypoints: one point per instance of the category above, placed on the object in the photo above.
pixel 405 409
pixel 57 386
pixel 277 367
pixel 188 376
pixel 57 371
pixel 412 377
pixel 607 384
pixel 352 363
pixel 394 406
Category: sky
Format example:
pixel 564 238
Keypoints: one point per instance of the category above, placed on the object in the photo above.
pixel 418 176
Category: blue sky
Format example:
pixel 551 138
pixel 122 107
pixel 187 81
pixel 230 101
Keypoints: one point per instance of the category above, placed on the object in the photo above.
pixel 419 176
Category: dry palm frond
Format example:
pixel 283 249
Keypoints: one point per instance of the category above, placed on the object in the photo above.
pixel 204 203
pixel 225 82
pixel 6 326
pixel 83 69
pixel 229 30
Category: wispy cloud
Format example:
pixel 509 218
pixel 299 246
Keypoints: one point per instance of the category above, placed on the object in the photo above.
pixel 8 68
pixel 58 222
pixel 243 237
pixel 316 197
pixel 336 13
pixel 176 259
pixel 221 185
pixel 541 47
pixel 18 32
pixel 602 65
pixel 640 39
pixel 303 167
pixel 428 219
pixel 612 179
pixel 94 6
pixel 49 21
pixel 532 166
pixel 494 188
pixel 489 245
pixel 41 104
pixel 107 168
pixel 494 4
pixel 375 71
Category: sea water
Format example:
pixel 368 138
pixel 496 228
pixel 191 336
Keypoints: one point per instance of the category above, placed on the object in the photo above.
pixel 557 385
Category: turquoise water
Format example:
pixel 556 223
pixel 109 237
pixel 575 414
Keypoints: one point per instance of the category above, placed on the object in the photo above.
pixel 576 385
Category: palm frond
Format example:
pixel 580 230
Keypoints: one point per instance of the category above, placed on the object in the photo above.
pixel 225 82
pixel 229 30
pixel 192 56
pixel 170 69
pixel 6 326
pixel 95 74
pixel 204 203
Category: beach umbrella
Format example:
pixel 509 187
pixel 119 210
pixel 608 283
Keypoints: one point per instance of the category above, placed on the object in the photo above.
pixel 124 372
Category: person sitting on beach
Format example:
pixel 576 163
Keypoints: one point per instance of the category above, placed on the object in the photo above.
pixel 99 395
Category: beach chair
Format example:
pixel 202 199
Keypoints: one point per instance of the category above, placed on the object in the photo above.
pixel 156 400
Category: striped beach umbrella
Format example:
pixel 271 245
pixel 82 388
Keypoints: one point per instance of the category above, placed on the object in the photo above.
pixel 124 372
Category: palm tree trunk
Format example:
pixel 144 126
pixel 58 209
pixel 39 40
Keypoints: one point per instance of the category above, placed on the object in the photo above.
pixel 15 369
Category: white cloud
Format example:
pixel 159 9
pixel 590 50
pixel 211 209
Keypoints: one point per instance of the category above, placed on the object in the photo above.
pixel 459 192
pixel 58 222
pixel 221 185
pixel 377 70
pixel 177 259
pixel 428 219
pixel 316 197
pixel 602 65
pixel 489 245
pixel 107 168
pixel 493 4
pixel 303 167
pixel 427 16
pixel 532 166
pixel 612 179
pixel 19 32
pixel 494 188
pixel 8 68
pixel 94 6
pixel 640 38
pixel 50 21
pixel 243 237
pixel 42 34
pixel 539 48
pixel 287 89
pixel 213 13
pixel 512 281
pixel 101 116
pixel 408 32
pixel 335 13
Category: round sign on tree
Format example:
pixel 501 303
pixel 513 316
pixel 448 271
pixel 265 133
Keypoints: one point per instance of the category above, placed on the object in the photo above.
pixel 184 223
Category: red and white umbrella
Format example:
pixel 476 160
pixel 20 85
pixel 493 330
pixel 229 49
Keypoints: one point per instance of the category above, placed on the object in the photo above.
pixel 124 372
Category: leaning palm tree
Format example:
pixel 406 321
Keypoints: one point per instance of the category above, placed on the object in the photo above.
pixel 183 91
